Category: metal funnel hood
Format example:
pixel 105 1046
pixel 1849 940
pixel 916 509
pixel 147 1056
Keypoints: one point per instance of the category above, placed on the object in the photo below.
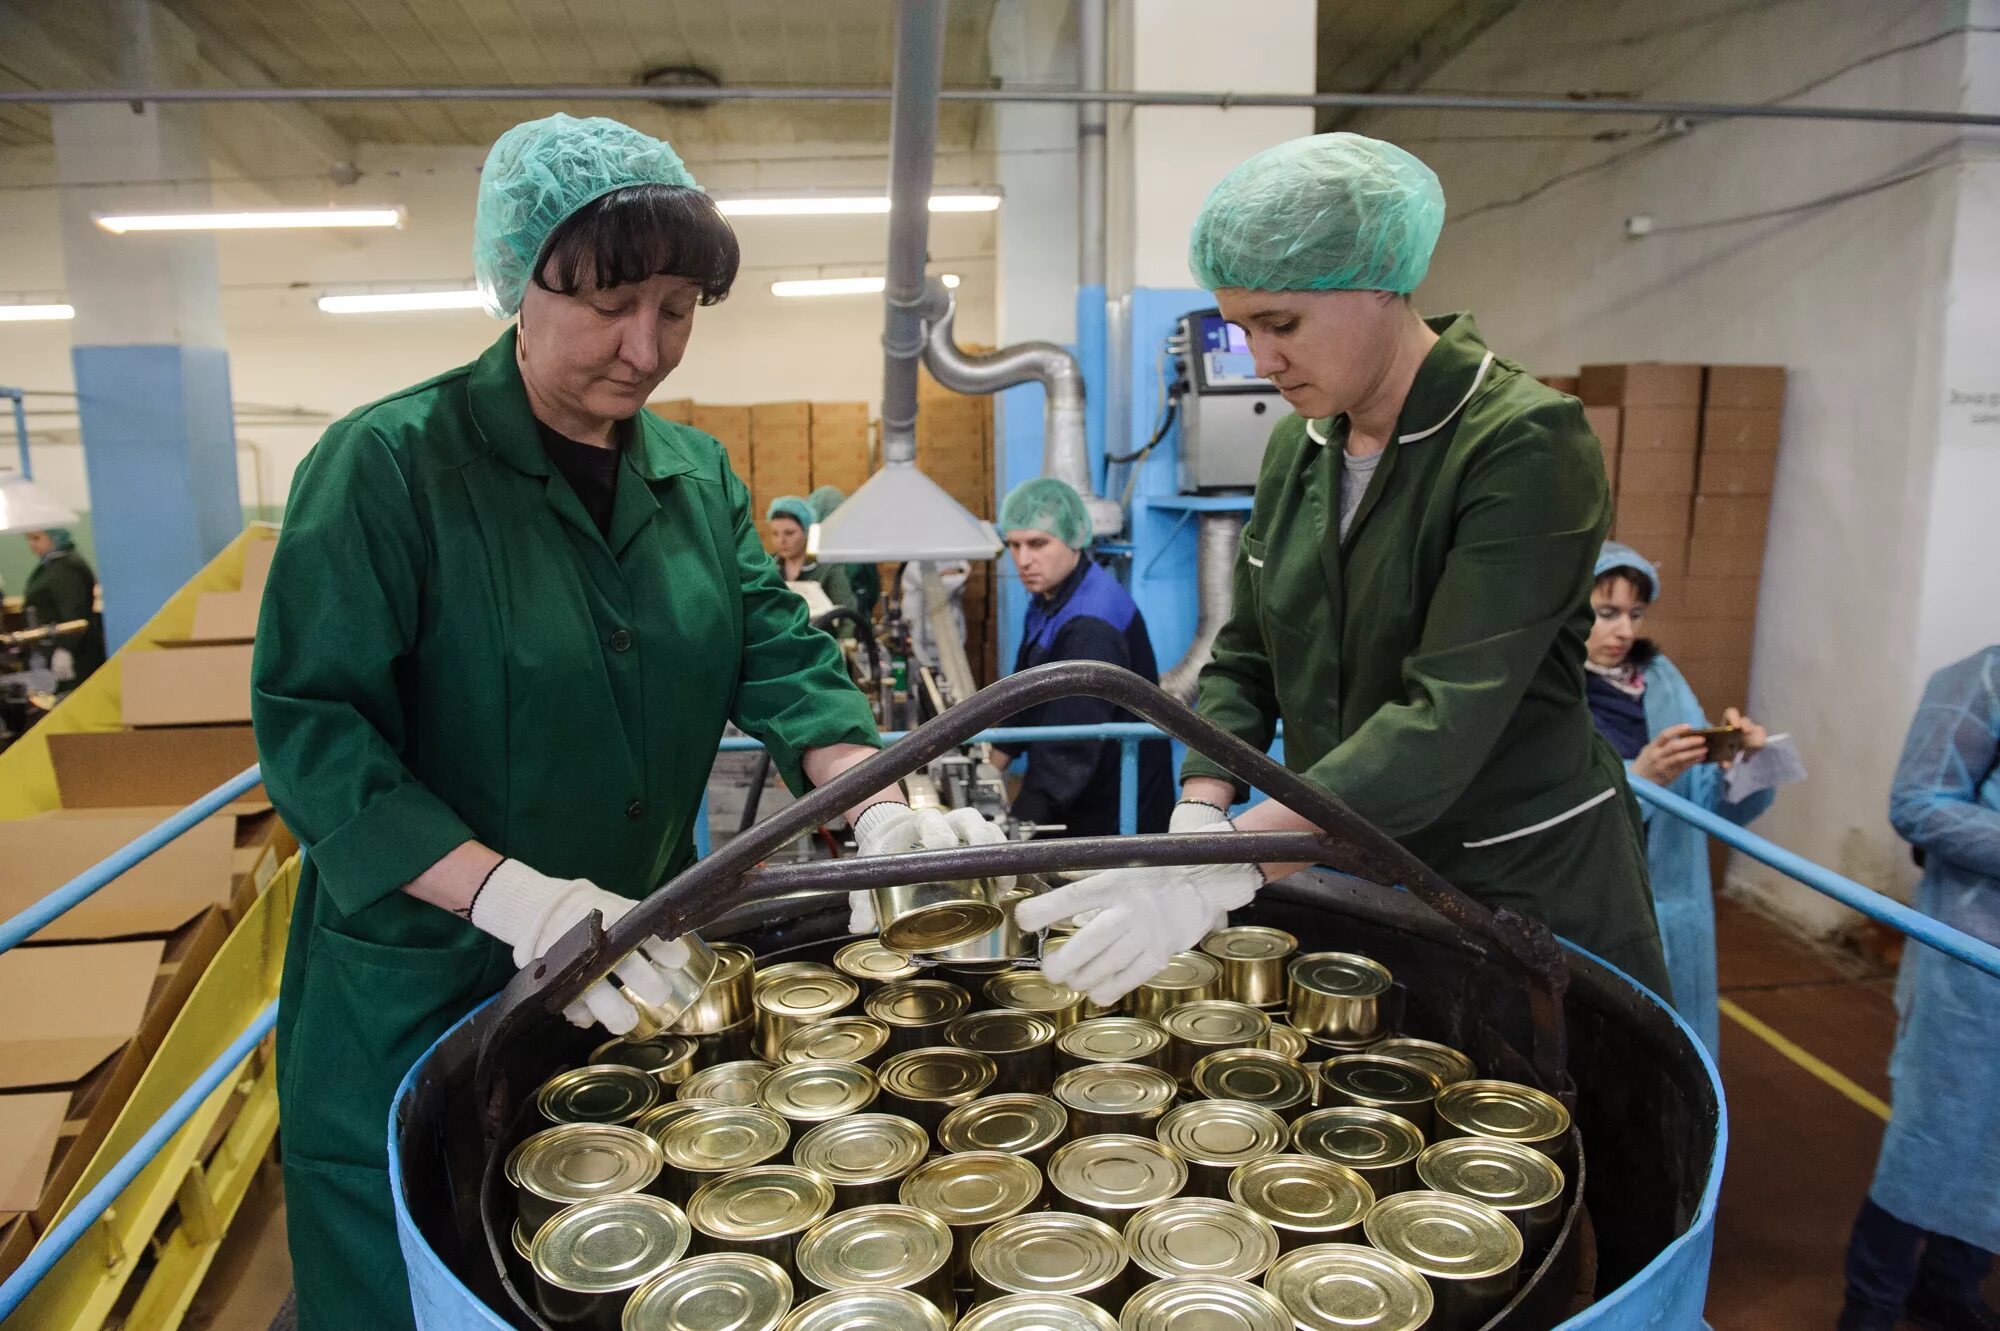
pixel 25 506
pixel 902 514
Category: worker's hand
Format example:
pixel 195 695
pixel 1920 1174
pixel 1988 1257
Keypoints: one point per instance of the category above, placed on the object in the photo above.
pixel 890 828
pixel 1671 752
pixel 1143 917
pixel 1193 815
pixel 1755 736
pixel 529 911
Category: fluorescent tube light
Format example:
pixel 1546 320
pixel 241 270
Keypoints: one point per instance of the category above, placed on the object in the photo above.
pixel 295 219
pixel 396 302
pixel 839 286
pixel 11 314
pixel 846 205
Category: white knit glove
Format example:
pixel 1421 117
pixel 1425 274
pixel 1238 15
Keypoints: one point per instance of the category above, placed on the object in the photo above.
pixel 1194 815
pixel 892 827
pixel 529 911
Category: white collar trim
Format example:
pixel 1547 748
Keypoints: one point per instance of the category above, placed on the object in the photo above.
pixel 1312 427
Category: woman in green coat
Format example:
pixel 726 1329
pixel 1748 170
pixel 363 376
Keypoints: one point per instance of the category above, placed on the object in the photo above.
pixel 1412 595
pixel 63 587
pixel 791 518
pixel 485 689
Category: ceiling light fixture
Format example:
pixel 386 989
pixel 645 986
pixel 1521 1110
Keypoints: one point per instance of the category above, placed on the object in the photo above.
pixel 399 302
pixel 11 314
pixel 846 205
pixel 839 286
pixel 294 219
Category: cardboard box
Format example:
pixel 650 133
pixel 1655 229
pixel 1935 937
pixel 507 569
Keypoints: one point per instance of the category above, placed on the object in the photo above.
pixel 1703 639
pixel 764 437
pixel 787 414
pixel 1718 684
pixel 729 424
pixel 1715 597
pixel 842 436
pixel 1726 557
pixel 155 896
pixel 257 565
pixel 677 409
pixel 1605 423
pixel 1761 387
pixel 740 463
pixel 1724 516
pixel 1659 430
pixel 59 1028
pixel 189 686
pixel 115 769
pixel 1646 384
pixel 226 616
pixel 840 414
pixel 1737 472
pixel 30 1126
pixel 1655 472
pixel 17 1239
pixel 1739 451
pixel 1646 522
pixel 1670 561
pixel 1562 383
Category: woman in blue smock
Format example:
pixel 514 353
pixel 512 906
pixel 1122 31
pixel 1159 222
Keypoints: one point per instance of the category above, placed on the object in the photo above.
pixel 1644 707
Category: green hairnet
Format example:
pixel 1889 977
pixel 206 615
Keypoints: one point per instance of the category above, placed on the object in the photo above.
pixel 793 507
pixel 826 499
pixel 538 174
pixel 60 538
pixel 1047 504
pixel 1332 212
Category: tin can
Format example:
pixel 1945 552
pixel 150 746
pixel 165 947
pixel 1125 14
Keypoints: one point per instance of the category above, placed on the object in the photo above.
pixel 1201 1237
pixel 924 917
pixel 1196 1030
pixel 1003 944
pixel 923 1085
pixel 1253 962
pixel 727 1000
pixel 861 1040
pixel 762 1210
pixel 1021 1044
pixel 1188 977
pixel 1050 1252
pixel 1037 1312
pixel 732 1083
pixel 1286 1040
pixel 1349 1287
pixel 1337 996
pixel 1113 1178
pixel 655 1121
pixel 1369 1081
pixel 724 1291
pixel 805 1094
pixel 1114 1098
pixel 709 1143
pixel 1021 1124
pixel 1510 1112
pixel 793 1002
pixel 864 1156
pixel 1377 1145
pixel 1053 943
pixel 684 986
pixel 667 1059
pixel 870 965
pixel 588 1260
pixel 1171 1305
pixel 1112 1040
pixel 1306 1199
pixel 971 1191
pixel 1032 991
pixel 1215 1136
pixel 597 1093
pixel 1255 1076
pixel 917 1011
pixel 785 970
pixel 1517 1181
pixel 1440 1060
pixel 1469 1252
pixel 734 1045
pixel 887 1247
pixel 866 1310
pixel 579 1162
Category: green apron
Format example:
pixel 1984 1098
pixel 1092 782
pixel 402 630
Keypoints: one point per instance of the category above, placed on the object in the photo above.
pixel 1429 667
pixel 448 649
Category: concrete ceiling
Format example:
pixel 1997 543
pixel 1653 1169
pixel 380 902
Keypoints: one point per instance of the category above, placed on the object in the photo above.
pixel 1393 45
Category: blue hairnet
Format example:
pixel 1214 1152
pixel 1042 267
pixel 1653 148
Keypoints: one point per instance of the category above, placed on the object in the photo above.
pixel 537 176
pixel 793 507
pixel 1047 504
pixel 1331 212
pixel 1618 555
pixel 60 537
pixel 824 500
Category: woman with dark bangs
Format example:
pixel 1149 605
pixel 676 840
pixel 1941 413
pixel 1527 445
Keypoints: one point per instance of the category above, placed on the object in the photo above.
pixel 508 617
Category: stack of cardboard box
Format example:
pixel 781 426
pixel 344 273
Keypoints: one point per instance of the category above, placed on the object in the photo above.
pixel 731 428
pixel 780 453
pixel 955 449
pixel 843 452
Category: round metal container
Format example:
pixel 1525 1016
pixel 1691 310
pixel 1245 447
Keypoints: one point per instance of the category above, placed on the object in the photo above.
pixel 1215 1136
pixel 1469 1252
pixel 923 1085
pixel 793 1002
pixel 1196 1030
pixel 761 1210
pixel 1440 1060
pixel 1212 1305
pixel 862 1040
pixel 1287 1041
pixel 866 1310
pixel 1201 1237
pixel 655 1121
pixel 579 1162
pixel 1509 1112
pixel 864 1156
pixel 1052 943
pixel 870 965
pixel 732 1083
pixel 1306 1199
pixel 667 1059
pixel 1032 991
pixel 710 1143
pixel 1006 942
pixel 733 1045
pixel 1337 996
pixel 1114 1097
pixel 924 917
pixel 1024 1125
pixel 1379 1146
pixel 588 1259
pixel 917 1011
pixel 727 1000
pixel 804 1094
pixel 524 1242
pixel 1188 977
pixel 1253 962
pixel 1112 1040
pixel 598 1093
pixel 1368 1081
pixel 970 1191
pixel 1050 1252
pixel 1255 1076
pixel 1021 1044
pixel 785 970
pixel 1349 1287
pixel 891 1247
pixel 724 1291
pixel 684 984
pixel 1517 1181
pixel 1037 1312
pixel 1112 1178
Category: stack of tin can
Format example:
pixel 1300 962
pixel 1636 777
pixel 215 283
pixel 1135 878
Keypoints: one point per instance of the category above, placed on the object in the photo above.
pixel 878 1142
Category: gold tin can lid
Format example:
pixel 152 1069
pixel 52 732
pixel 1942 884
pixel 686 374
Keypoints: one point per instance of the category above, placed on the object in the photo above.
pixel 732 961
pixel 577 1162
pixel 1505 1175
pixel 732 1083
pixel 1037 1312
pixel 1217 1023
pixel 1116 1088
pixel 866 1310
pixel 938 1073
pixel 1249 942
pixel 874 1245
pixel 722 1291
pixel 1214 1305
pixel 1503 1109
pixel 1117 1172
pixel 1283 1039
pixel 1000 1031
pixel 1339 974
pixel 1448 1065
pixel 809 996
pixel 1350 1287
pixel 655 1121
pixel 1256 1076
pixel 662 1057
pixel 611 1244
pixel 733 1137
pixel 1358 1137
pixel 972 1187
pixel 1031 991
pixel 1221 1132
pixel 1112 1040
pixel 862 1148
pixel 785 970
pixel 1302 1193
pixel 1020 1124
pixel 867 959
pixel 816 1091
pixel 597 1093
pixel 766 1202
pixel 1186 971
pixel 1375 1080
pixel 842 1039
pixel 1201 1236
pixel 1443 1236
pixel 1048 1252
pixel 524 1242
pixel 917 1003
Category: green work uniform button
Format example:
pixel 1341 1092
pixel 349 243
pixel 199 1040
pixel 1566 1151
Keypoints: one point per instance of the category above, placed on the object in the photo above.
pixel 633 810
pixel 621 641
